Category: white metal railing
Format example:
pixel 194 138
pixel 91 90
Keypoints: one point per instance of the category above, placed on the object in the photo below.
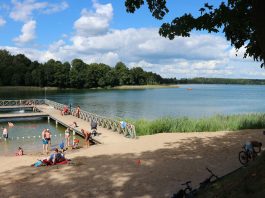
pixel 29 102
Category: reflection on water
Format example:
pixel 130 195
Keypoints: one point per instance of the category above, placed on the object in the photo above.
pixel 199 101
pixel 27 134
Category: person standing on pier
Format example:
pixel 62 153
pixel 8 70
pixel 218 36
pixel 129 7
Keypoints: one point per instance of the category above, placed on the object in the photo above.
pixel 77 111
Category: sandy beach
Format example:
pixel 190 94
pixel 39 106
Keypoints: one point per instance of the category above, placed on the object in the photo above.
pixel 150 166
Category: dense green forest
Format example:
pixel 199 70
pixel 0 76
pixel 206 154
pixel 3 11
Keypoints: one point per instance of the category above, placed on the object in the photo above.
pixel 18 70
pixel 221 81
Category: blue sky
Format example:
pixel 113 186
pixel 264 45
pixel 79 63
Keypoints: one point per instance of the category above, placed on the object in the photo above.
pixel 102 31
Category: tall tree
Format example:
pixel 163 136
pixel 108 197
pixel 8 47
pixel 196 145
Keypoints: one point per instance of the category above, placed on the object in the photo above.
pixel 242 22
pixel 122 73
pixel 77 73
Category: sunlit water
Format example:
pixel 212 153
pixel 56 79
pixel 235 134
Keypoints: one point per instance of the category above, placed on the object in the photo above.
pixel 27 134
pixel 188 100
pixel 198 101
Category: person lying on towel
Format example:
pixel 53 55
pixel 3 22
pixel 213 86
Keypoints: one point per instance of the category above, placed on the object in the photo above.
pixel 56 157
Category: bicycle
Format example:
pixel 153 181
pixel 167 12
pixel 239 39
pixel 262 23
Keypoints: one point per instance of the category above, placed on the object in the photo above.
pixel 187 192
pixel 208 180
pixel 245 156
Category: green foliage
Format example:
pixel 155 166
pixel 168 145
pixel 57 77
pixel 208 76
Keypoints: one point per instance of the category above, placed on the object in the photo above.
pixel 221 81
pixel 185 124
pixel 18 70
pixel 241 21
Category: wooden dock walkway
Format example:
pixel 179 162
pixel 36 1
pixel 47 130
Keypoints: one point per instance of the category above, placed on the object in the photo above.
pixel 106 136
pixel 108 129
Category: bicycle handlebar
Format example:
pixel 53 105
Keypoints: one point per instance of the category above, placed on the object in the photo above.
pixel 186 183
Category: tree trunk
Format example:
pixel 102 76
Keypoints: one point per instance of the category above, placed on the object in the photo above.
pixel 259 22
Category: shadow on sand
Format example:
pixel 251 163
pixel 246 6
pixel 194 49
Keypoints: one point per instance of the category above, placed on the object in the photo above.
pixel 155 174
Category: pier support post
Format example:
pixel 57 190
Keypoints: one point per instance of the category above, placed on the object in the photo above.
pixel 73 132
pixel 48 119
pixel 56 122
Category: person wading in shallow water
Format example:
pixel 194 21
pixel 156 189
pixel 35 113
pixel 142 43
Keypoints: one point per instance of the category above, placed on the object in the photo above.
pixel 44 142
pixel 5 133
pixel 47 136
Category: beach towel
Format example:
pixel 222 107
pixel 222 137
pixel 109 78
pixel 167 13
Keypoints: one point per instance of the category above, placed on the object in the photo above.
pixel 45 162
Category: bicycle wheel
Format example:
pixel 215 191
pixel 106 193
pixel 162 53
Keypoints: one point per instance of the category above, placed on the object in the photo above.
pixel 188 193
pixel 243 157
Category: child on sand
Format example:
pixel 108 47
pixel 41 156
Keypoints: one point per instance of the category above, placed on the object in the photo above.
pixel 76 143
pixel 19 152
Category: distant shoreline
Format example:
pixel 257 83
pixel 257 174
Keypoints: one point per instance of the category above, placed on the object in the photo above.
pixel 145 86
pixel 123 87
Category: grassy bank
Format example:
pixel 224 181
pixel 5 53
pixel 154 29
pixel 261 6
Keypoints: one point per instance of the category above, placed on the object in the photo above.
pixel 245 182
pixel 145 86
pixel 215 123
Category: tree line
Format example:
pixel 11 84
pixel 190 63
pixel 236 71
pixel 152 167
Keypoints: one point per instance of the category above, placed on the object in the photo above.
pixel 18 70
pixel 202 80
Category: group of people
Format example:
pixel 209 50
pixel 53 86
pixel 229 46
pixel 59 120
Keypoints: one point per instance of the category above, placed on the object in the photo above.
pixel 67 111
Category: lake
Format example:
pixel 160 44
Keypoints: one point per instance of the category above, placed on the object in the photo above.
pixel 188 100
pixel 27 134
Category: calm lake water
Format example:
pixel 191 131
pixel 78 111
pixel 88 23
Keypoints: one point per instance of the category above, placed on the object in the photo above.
pixel 199 101
pixel 27 134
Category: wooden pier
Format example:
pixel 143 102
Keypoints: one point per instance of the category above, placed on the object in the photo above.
pixel 109 129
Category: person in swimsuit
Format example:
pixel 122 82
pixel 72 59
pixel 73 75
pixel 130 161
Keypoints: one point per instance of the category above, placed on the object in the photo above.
pixel 77 112
pixel 65 110
pixel 47 136
pixel 67 136
pixel 19 152
pixel 5 133
pixel 10 124
pixel 56 157
pixel 87 135
pixel 44 142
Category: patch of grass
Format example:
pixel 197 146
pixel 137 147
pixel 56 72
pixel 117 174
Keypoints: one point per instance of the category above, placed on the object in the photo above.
pixel 215 123
pixel 245 182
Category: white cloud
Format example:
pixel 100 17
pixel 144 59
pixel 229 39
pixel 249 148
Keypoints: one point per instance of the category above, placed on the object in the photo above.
pixel 53 8
pixel 2 21
pixel 23 10
pixel 94 23
pixel 93 41
pixel 27 33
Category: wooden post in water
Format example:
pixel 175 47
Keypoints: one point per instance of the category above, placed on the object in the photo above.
pixel 48 119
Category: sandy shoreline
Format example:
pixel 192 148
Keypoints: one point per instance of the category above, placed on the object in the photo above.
pixel 151 166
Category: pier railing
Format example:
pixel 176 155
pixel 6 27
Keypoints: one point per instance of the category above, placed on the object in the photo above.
pixel 128 130
pixel 18 103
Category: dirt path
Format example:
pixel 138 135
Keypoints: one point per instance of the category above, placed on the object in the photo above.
pixel 151 166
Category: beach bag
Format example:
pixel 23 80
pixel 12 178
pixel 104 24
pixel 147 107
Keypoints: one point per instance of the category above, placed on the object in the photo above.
pixel 61 145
